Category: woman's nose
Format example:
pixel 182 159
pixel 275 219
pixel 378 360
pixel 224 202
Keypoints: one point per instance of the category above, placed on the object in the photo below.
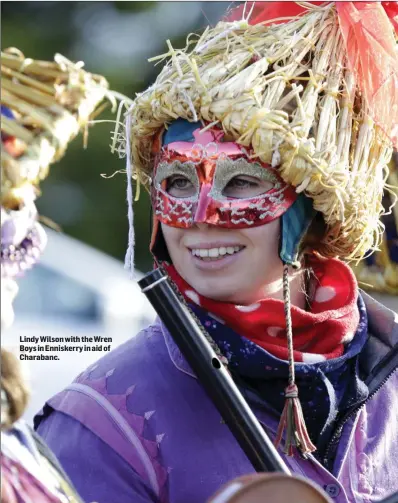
pixel 203 203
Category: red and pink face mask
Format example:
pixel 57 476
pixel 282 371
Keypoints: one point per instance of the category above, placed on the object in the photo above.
pixel 201 179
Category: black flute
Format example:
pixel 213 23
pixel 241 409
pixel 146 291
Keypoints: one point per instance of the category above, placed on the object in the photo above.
pixel 213 376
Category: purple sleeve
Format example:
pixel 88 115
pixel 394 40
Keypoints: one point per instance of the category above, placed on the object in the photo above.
pixel 98 473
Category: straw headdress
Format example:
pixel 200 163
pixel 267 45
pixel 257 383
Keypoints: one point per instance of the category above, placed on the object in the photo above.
pixel 44 106
pixel 379 272
pixel 297 93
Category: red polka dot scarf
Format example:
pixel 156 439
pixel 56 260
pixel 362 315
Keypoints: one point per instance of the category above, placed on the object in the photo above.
pixel 318 334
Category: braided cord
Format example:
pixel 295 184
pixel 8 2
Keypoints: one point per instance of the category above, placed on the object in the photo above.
pixel 288 317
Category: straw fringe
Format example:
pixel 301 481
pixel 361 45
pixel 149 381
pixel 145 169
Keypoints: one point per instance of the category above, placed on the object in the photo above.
pixel 284 90
pixel 382 275
pixel 52 102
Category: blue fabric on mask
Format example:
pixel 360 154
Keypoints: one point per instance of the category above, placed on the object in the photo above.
pixel 180 130
pixel 6 112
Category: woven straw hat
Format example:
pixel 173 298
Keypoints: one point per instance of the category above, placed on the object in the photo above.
pixel 290 92
pixel 44 106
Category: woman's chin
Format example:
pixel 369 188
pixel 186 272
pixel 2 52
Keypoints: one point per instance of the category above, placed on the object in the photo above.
pixel 213 289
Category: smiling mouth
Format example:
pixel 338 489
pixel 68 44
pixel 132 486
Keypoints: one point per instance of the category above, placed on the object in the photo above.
pixel 213 254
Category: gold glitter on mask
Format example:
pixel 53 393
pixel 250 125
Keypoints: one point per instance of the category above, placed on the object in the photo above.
pixel 187 169
pixel 227 169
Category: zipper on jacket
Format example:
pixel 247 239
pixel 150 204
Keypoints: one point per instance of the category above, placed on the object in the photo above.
pixel 348 416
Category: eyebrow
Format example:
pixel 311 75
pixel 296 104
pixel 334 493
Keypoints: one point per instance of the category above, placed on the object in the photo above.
pixel 166 169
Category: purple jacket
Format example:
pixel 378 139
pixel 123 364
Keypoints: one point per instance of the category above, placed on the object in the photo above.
pixel 137 427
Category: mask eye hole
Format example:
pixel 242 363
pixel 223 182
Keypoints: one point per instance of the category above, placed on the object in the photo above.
pixel 180 186
pixel 243 186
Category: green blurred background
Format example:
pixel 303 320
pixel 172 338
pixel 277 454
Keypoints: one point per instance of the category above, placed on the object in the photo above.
pixel 114 39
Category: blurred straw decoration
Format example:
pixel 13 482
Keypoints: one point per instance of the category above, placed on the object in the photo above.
pixel 379 271
pixel 44 105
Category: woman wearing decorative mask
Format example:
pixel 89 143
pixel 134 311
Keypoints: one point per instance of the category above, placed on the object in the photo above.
pixel 265 148
pixel 44 105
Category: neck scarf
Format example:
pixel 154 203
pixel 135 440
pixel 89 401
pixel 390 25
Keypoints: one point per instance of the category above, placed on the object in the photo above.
pixel 327 389
pixel 318 334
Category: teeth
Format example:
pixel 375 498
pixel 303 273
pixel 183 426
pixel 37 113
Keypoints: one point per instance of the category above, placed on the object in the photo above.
pixel 215 252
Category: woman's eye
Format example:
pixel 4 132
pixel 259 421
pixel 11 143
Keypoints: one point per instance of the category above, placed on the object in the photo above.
pixel 179 183
pixel 241 183
pixel 179 186
pixel 243 187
